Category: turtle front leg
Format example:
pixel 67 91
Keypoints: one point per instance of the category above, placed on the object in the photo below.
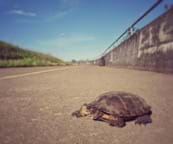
pixel 97 115
pixel 112 120
pixel 76 114
pixel 118 122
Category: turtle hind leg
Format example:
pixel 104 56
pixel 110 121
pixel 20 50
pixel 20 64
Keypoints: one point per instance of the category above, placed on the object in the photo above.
pixel 146 119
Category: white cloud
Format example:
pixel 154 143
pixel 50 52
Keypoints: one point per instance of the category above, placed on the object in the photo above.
pixel 61 34
pixel 58 15
pixel 66 41
pixel 64 8
pixel 23 13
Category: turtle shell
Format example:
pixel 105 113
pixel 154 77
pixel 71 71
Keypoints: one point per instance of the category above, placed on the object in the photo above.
pixel 121 104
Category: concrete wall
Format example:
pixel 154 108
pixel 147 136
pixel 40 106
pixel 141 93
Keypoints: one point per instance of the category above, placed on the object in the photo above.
pixel 150 48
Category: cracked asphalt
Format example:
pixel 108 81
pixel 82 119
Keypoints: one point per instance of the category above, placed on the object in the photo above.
pixel 36 108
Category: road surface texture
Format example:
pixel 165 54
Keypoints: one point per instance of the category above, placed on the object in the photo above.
pixel 35 108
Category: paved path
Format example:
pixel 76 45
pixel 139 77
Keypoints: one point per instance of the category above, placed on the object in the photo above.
pixel 35 108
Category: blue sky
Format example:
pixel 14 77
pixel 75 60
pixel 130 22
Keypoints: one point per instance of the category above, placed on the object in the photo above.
pixel 70 29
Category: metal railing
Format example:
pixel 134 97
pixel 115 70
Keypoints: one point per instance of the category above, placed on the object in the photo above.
pixel 132 26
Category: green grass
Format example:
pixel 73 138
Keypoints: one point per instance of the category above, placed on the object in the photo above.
pixel 14 56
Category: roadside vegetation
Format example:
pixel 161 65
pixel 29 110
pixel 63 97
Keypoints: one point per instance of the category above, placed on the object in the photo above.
pixel 14 56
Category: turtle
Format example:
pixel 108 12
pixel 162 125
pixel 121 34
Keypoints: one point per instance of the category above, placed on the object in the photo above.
pixel 116 108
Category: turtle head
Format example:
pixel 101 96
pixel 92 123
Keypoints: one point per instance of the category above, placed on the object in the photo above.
pixel 84 111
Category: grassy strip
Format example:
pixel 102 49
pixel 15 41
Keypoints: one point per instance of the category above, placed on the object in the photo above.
pixel 27 62
pixel 14 56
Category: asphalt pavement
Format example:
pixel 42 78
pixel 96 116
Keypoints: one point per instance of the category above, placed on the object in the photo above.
pixel 36 105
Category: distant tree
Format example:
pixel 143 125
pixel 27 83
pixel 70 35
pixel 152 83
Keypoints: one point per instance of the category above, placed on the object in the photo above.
pixel 73 61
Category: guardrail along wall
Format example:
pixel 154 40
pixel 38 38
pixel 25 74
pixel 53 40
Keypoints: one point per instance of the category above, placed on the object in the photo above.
pixel 149 48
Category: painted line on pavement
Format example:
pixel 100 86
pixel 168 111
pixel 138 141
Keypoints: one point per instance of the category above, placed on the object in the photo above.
pixel 32 73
